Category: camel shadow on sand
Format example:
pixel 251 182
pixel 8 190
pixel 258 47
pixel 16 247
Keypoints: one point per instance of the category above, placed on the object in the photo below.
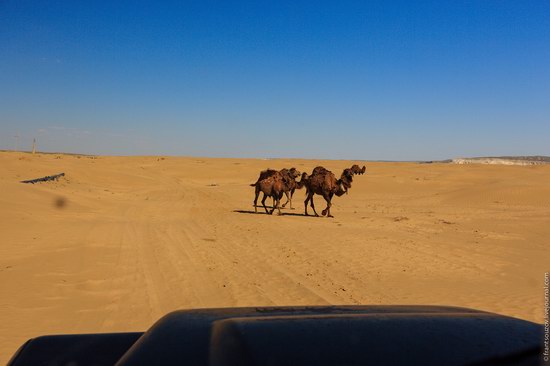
pixel 274 214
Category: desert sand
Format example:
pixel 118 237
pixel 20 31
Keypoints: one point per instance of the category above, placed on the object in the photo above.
pixel 121 241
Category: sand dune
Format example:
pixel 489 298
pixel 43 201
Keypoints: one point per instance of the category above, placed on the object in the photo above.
pixel 120 241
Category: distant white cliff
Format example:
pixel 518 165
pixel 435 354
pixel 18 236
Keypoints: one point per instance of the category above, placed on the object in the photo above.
pixel 512 160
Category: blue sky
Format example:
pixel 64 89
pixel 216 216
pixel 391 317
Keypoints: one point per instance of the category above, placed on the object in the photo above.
pixel 396 80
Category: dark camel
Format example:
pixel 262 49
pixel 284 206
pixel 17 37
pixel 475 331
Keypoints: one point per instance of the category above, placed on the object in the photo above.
pixel 324 183
pixel 356 170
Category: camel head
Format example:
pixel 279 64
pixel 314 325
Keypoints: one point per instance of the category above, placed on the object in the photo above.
pixel 303 180
pixel 356 170
pixel 344 183
pixel 294 173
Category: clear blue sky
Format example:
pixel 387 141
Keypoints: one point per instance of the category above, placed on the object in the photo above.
pixel 401 80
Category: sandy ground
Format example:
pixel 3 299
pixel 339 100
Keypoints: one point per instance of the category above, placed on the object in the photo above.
pixel 123 240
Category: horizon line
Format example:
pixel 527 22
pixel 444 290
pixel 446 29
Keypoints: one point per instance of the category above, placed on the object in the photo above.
pixel 543 158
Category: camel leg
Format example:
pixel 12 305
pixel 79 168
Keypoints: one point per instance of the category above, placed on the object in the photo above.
pixel 309 198
pixel 256 200
pixel 329 204
pixel 272 206
pixel 326 211
pixel 313 206
pixel 287 200
pixel 278 202
pixel 263 203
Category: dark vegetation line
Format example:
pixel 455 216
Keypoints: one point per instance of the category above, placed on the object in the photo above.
pixel 44 179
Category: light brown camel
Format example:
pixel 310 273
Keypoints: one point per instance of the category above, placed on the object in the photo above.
pixel 271 186
pixel 291 175
pixel 324 183
pixel 291 185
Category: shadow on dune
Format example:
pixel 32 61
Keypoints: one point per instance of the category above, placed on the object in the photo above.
pixel 295 214
pixel 275 214
pixel 250 212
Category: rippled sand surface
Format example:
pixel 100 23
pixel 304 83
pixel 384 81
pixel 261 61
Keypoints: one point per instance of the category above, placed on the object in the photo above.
pixel 120 241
